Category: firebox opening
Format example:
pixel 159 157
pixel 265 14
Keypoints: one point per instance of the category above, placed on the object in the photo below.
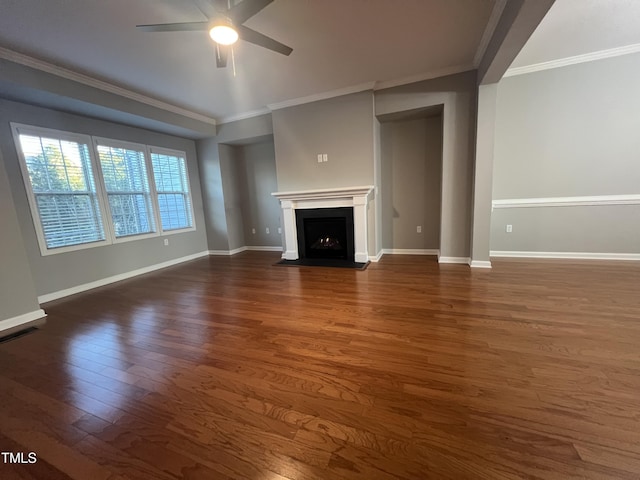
pixel 325 233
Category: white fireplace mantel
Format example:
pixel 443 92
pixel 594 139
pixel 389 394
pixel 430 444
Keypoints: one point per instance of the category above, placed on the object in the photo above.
pixel 356 197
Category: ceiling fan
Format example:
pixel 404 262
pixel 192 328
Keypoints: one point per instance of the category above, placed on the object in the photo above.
pixel 225 26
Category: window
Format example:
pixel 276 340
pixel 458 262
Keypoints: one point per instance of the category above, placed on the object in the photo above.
pixel 62 189
pixel 172 187
pixel 86 191
pixel 126 183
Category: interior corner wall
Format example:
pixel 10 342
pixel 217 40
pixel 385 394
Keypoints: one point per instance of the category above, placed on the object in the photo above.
pixel 562 133
pixel 53 273
pixel 260 209
pixel 17 288
pixel 216 181
pixel 411 192
pixel 457 94
pixel 213 195
pixel 232 186
pixel 483 175
pixel 375 214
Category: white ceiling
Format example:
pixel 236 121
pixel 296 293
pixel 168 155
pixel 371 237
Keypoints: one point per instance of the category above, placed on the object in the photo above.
pixel 337 44
pixel 579 27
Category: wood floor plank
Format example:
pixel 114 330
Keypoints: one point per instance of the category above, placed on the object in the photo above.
pixel 233 368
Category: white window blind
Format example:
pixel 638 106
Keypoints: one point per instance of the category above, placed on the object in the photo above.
pixel 63 190
pixel 88 191
pixel 172 187
pixel 126 182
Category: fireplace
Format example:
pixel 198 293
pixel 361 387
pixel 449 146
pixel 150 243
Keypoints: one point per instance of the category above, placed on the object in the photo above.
pixel 316 204
pixel 325 233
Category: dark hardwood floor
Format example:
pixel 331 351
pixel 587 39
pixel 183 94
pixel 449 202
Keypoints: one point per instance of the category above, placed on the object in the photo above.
pixel 232 368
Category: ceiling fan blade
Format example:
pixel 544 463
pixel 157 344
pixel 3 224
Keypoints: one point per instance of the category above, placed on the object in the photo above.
pixel 246 9
pixel 222 53
pixel 258 38
pixel 175 27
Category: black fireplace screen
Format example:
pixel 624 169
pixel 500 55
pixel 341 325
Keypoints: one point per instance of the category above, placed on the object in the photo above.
pixel 325 233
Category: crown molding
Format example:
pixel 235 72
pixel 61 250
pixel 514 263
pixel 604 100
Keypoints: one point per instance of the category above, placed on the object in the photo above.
pixel 431 74
pixel 564 62
pixel 62 72
pixel 489 30
pixel 244 116
pixel 362 87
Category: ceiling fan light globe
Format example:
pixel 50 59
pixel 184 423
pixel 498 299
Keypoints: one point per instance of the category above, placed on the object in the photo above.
pixel 223 34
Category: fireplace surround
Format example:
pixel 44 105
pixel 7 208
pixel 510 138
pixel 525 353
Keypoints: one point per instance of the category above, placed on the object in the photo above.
pixel 355 198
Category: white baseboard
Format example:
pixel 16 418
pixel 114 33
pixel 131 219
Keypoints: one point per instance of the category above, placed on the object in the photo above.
pixel 479 264
pixel 410 251
pixel 259 248
pixel 116 278
pixel 227 252
pixel 256 248
pixel 376 258
pixel 13 322
pixel 566 255
pixel 462 260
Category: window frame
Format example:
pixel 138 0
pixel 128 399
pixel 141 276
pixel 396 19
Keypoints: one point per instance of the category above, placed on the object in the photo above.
pixel 101 194
pixel 20 129
pixel 175 153
pixel 153 200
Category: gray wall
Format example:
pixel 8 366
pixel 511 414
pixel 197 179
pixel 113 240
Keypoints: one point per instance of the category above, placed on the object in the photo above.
pixel 65 270
pixel 340 127
pixel 457 95
pixel 212 194
pixel 483 175
pixel 248 175
pixel 17 288
pixel 220 179
pixel 411 178
pixel 592 229
pixel 232 184
pixel 343 128
pixel 375 214
pixel 260 210
pixel 26 84
pixel 570 131
pixel 517 22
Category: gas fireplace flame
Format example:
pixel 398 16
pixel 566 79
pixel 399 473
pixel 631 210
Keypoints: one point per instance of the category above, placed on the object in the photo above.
pixel 327 242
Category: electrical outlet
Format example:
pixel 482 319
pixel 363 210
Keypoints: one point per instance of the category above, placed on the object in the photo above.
pixel 279 230
pixel 509 228
pixel 419 229
pixel 325 157
pixel 319 158
pixel 267 230
pixel 166 242
pixel 253 230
